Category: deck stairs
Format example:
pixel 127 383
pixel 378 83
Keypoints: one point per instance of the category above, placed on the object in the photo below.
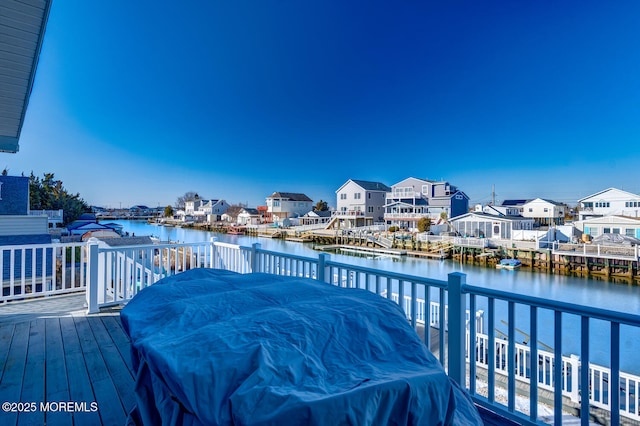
pixel 383 241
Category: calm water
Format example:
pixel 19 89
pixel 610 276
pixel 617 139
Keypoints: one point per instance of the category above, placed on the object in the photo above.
pixel 583 291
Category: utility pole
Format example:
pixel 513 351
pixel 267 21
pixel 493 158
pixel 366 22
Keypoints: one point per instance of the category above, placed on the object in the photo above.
pixel 493 195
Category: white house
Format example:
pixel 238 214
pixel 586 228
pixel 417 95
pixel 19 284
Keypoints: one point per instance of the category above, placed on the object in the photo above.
pixel 613 224
pixel 213 209
pixel 483 225
pixel 544 212
pixel 412 199
pixel 609 202
pixel 248 216
pixel 286 205
pixel 359 203
pixel 498 210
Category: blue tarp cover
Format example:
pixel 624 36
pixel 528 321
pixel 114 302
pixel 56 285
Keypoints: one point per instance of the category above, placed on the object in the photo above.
pixel 215 347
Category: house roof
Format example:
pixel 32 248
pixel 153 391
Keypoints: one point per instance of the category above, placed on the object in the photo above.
pixel 22 30
pixel 318 213
pixel 251 211
pixel 490 216
pixel 555 203
pixel 292 196
pixel 368 185
pixel 514 202
pixel 630 194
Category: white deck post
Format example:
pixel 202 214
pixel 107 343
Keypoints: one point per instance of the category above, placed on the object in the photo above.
pixel 92 274
pixel 457 328
pixel 254 257
pixel 212 260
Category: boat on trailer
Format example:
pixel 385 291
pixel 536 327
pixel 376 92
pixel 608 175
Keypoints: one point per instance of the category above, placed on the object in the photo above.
pixel 509 264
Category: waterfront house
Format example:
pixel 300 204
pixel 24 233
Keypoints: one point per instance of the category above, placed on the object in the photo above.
pixel 498 210
pixel 231 215
pixel 359 203
pixel 213 210
pixel 248 216
pixel 483 225
pixel 544 212
pixel 316 217
pixel 515 204
pixel 412 199
pixel 608 202
pixel 287 205
pixel 612 224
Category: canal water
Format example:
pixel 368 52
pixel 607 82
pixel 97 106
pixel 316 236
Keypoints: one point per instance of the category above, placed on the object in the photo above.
pixel 577 290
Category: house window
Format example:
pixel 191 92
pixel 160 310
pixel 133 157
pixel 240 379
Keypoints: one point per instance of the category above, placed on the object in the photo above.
pixel 606 231
pixel 357 195
pixel 276 203
pixel 616 230
pixel 343 196
pixel 593 232
pixel 546 210
pixel 369 195
pixel 530 210
pixel 630 232
pixel 370 209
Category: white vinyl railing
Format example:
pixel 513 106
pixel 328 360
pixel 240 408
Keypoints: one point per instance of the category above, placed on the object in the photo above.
pixel 37 270
pixel 115 275
pixel 596 250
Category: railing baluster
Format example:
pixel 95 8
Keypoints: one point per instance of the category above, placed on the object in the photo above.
pixel 614 380
pixel 511 357
pixel 491 379
pixel 533 362
pixel 557 368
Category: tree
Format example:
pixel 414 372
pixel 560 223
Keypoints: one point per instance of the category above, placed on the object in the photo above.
pixel 188 196
pixel 424 224
pixel 444 216
pixel 168 211
pixel 49 194
pixel 321 206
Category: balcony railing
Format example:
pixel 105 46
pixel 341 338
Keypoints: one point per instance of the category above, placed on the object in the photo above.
pixel 495 360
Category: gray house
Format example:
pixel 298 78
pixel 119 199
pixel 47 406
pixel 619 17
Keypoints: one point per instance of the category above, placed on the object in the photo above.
pixel 412 199
pixel 359 203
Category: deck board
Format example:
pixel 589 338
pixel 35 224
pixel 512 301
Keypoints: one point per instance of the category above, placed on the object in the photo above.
pixel 80 389
pixel 104 390
pixel 57 386
pixel 114 328
pixel 34 375
pixel 116 365
pixel 14 369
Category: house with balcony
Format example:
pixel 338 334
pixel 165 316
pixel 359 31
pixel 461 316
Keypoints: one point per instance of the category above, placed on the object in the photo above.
pixel 359 203
pixel 287 205
pixel 609 202
pixel 544 212
pixel 412 199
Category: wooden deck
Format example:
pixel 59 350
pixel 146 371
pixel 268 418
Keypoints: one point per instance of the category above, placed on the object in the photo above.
pixel 65 367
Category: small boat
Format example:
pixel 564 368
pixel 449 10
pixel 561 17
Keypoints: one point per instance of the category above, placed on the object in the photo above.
pixel 509 264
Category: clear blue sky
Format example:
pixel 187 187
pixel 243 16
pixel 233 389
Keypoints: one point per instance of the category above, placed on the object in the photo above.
pixel 137 102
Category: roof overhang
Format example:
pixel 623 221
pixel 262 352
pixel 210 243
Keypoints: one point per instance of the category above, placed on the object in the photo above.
pixel 22 27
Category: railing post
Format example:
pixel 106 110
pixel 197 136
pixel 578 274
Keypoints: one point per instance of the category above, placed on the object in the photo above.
pixel 212 261
pixel 322 259
pixel 457 327
pixel 574 395
pixel 92 287
pixel 254 257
